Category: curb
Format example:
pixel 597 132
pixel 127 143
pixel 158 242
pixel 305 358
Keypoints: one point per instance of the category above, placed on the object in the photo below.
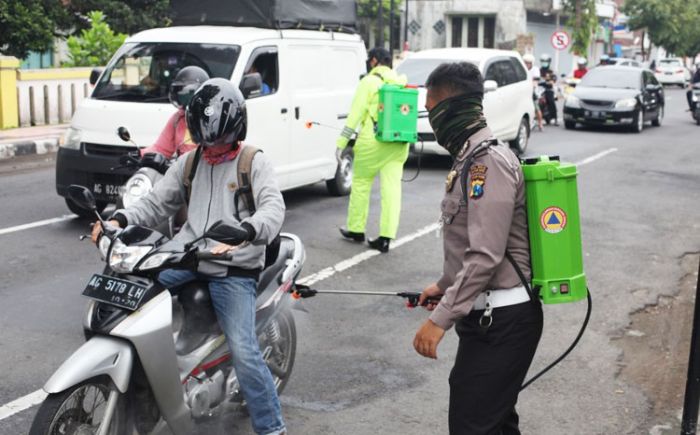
pixel 28 147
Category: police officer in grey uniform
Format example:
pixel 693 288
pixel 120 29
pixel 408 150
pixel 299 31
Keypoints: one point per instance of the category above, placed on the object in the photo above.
pixel 484 225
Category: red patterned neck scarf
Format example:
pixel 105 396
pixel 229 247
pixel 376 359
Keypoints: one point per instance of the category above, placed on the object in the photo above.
pixel 221 153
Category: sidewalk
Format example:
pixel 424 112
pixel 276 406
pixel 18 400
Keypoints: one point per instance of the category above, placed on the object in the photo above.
pixel 30 140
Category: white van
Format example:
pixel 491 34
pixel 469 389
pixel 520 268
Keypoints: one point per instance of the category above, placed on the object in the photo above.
pixel 508 105
pixel 309 76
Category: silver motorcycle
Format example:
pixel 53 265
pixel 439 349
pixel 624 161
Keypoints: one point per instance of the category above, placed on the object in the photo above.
pixel 156 362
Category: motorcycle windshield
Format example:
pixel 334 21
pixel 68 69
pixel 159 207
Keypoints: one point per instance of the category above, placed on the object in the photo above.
pixel 143 71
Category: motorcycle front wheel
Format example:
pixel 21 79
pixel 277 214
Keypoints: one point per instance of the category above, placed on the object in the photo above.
pixel 80 410
pixel 279 345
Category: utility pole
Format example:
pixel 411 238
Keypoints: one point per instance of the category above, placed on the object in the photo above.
pixel 391 28
pixel 380 19
pixel 405 26
pixel 692 386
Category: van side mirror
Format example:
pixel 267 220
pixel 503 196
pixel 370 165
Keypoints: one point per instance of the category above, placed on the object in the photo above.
pixel 124 134
pixel 95 75
pixel 490 85
pixel 251 85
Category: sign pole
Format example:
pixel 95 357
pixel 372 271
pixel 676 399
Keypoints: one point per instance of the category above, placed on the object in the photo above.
pixel 556 52
pixel 692 386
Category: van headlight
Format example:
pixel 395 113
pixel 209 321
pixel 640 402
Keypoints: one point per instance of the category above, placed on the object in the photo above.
pixel 123 258
pixel 136 188
pixel 627 103
pixel 71 139
pixel 572 102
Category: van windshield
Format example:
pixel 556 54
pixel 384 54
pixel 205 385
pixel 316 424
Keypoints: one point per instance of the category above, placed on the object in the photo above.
pixel 142 72
pixel 418 70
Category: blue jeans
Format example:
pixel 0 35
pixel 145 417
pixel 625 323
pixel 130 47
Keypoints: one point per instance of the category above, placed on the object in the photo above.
pixel 234 302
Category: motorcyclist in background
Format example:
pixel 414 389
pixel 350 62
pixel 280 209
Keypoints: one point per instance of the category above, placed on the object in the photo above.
pixel 693 81
pixel 582 69
pixel 175 138
pixel 549 78
pixel 534 74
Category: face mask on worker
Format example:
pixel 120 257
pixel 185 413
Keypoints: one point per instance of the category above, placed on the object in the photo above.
pixel 455 119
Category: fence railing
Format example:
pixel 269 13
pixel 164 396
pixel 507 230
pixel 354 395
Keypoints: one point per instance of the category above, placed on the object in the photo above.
pixel 50 96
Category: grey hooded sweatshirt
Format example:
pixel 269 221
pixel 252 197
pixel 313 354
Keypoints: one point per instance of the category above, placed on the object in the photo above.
pixel 212 199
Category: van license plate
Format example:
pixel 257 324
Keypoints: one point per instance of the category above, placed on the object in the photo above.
pixel 115 291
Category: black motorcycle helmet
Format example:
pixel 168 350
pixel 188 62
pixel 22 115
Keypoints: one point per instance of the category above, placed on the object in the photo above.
pixel 217 114
pixel 185 83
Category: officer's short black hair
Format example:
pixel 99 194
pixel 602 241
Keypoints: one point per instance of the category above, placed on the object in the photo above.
pixel 456 78
pixel 381 54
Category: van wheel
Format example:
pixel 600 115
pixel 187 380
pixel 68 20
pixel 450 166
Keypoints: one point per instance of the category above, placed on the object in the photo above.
pixel 341 183
pixel 83 212
pixel 519 144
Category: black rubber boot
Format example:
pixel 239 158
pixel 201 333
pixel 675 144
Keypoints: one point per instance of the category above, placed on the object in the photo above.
pixel 381 244
pixel 354 237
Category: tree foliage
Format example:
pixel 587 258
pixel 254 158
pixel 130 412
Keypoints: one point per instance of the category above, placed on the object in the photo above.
pixel 124 16
pixel 582 23
pixel 672 24
pixel 26 25
pixel 96 45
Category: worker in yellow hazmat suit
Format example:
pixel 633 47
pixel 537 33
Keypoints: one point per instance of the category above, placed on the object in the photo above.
pixel 372 157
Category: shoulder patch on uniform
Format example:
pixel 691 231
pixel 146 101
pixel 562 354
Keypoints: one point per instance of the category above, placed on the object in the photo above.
pixel 477 180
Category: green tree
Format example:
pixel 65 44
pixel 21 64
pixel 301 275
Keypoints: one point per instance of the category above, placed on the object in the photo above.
pixel 26 25
pixel 582 22
pixel 96 45
pixel 124 16
pixel 672 24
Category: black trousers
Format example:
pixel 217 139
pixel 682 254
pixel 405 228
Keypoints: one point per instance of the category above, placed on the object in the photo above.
pixel 490 367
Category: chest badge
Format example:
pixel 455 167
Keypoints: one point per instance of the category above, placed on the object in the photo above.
pixel 232 186
pixel 450 180
pixel 477 181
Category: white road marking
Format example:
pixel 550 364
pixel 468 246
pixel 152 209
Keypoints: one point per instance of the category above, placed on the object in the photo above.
pixel 36 397
pixel 595 157
pixel 21 404
pixel 37 224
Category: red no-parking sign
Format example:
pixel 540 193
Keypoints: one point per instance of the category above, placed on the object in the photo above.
pixel 560 40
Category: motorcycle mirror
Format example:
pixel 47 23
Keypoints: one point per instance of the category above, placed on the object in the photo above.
pixel 124 134
pixel 224 233
pixel 82 196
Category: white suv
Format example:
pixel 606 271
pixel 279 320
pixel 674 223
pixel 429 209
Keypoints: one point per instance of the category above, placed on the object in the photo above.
pixel 508 105
pixel 671 71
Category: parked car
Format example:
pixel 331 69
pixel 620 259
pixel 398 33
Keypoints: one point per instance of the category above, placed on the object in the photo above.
pixel 671 71
pixel 623 61
pixel 133 92
pixel 508 103
pixel 616 95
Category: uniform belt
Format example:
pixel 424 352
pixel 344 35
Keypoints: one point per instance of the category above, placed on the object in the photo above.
pixel 490 299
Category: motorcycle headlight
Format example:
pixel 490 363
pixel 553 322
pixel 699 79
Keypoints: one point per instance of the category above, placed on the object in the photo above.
pixel 136 188
pixel 71 139
pixel 627 103
pixel 123 258
pixel 103 246
pixel 155 260
pixel 572 102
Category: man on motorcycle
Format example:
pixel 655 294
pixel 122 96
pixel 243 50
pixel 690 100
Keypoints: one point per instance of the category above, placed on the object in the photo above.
pixel 216 118
pixel 175 139
pixel 582 69
pixel 548 80
pixel 534 74
pixel 695 80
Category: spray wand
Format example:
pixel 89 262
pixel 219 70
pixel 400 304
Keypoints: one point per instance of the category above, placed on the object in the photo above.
pixel 412 298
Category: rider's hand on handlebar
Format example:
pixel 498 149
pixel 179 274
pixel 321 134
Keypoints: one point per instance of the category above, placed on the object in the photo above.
pixel 97 229
pixel 432 291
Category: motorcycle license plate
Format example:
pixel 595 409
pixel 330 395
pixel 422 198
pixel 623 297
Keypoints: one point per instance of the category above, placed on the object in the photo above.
pixel 115 291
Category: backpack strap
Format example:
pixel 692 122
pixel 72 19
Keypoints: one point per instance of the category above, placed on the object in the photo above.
pixel 190 170
pixel 245 182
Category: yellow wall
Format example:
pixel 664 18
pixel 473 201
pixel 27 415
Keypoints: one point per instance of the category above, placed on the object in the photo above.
pixel 9 116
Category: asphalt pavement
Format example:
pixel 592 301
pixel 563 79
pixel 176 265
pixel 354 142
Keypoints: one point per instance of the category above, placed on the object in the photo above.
pixel 356 371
